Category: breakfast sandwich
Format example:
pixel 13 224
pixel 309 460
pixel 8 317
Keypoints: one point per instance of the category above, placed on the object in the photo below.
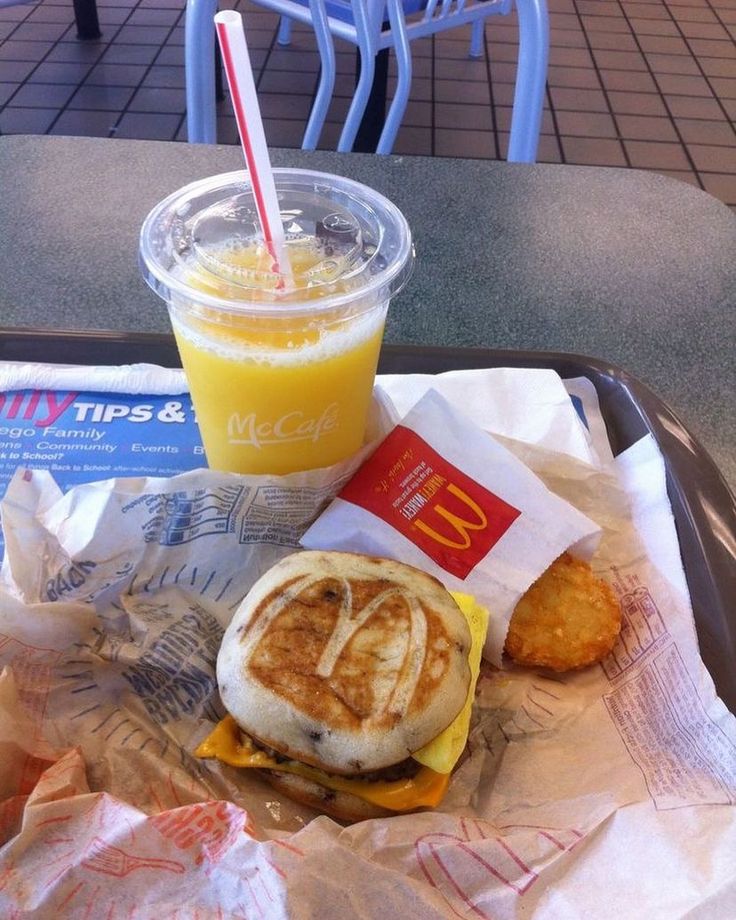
pixel 348 682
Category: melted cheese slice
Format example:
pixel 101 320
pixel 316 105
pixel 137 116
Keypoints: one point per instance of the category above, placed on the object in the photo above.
pixel 229 744
pixel 443 753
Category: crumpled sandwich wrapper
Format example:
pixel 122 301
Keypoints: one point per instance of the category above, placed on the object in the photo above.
pixel 607 792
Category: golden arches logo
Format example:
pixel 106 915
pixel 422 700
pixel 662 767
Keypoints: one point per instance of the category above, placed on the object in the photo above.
pixel 460 525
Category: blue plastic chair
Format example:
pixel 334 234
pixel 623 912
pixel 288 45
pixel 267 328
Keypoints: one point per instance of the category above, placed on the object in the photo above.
pixel 373 25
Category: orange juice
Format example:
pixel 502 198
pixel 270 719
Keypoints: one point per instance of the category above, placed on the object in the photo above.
pixel 268 402
pixel 280 363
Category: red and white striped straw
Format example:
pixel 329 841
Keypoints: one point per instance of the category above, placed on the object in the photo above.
pixel 236 60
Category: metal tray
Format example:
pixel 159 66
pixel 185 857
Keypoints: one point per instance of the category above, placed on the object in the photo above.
pixel 703 506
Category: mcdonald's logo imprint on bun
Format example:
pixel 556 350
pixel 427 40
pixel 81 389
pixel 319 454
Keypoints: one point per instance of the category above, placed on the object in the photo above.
pixel 449 516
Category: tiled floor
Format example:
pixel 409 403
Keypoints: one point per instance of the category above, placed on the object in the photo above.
pixel 642 83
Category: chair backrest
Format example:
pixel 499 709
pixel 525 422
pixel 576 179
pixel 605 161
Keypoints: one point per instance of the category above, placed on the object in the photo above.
pixel 373 25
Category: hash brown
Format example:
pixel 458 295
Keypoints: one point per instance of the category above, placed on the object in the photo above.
pixel 567 620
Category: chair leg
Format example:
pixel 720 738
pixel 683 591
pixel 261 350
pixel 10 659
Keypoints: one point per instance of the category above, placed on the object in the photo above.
pixel 368 49
pixel 477 34
pixel 199 58
pixel 359 102
pixel 326 85
pixel 284 34
pixel 403 81
pixel 531 76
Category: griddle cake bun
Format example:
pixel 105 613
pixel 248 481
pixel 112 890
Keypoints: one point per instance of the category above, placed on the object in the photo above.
pixel 345 662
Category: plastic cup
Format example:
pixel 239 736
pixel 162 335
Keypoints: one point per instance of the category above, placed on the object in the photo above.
pixel 280 365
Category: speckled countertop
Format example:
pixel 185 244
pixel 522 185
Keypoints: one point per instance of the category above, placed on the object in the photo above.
pixel 630 267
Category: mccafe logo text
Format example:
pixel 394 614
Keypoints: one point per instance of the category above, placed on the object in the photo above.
pixel 292 426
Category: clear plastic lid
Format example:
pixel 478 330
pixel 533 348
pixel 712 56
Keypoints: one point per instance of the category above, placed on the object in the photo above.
pixel 344 242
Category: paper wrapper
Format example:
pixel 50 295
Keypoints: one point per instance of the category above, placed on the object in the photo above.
pixel 440 494
pixel 605 793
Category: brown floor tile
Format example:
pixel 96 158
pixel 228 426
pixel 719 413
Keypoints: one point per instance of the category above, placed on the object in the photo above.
pixel 637 103
pixel 116 74
pixel 12 50
pixel 281 81
pixel 693 14
pixel 643 128
pixel 663 44
pixel 43 95
pixel 729 106
pixel 503 72
pixel 594 25
pixel 644 155
pixel 413 141
pixel 295 61
pixel 160 17
pixel 503 52
pixel 462 117
pixel 724 88
pixel 620 60
pixel 148 126
pixel 694 107
pixel 128 54
pixel 7 90
pixel 633 82
pixel 101 98
pixel 613 41
pixel 503 94
pixel 721 185
pixel 593 151
pixel 26 121
pixel 718 67
pixel 143 35
pixel 37 31
pixel 579 100
pixel 709 158
pixel 86 124
pixel 654 27
pixel 573 77
pixel 603 8
pixel 703 30
pixel 451 91
pixel 471 69
pixel 274 105
pixel 464 144
pixel 570 57
pixel 419 115
pixel 707 48
pixel 683 85
pixel 171 77
pixel 647 10
pixel 586 124
pixel 72 74
pixel 562 21
pixel 158 99
pixel 674 63
pixel 568 38
pixel 694 131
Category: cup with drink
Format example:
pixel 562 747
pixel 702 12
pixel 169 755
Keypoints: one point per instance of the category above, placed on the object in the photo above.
pixel 279 349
